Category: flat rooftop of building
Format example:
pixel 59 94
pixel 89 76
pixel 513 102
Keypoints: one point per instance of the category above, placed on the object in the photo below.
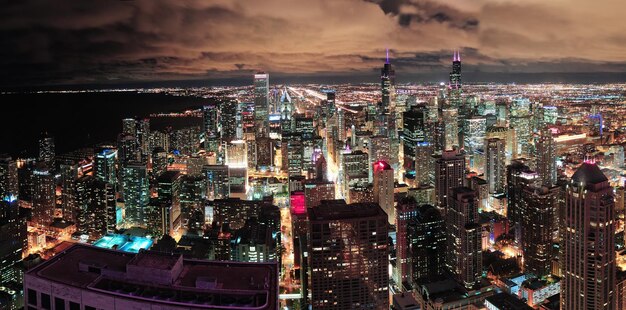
pixel 337 211
pixel 200 283
pixel 506 301
pixel 168 176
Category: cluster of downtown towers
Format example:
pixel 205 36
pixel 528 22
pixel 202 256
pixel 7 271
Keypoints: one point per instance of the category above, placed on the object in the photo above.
pixel 401 169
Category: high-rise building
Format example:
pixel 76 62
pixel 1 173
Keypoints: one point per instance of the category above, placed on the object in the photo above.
pixel 495 166
pixel 217 181
pixel 168 191
pixel 44 200
pixel 449 174
pixel 46 149
pixel 423 164
pixel 379 149
pixel 518 176
pixel 261 104
pixel 414 132
pixel 229 120
pixel 464 234
pixel 136 192
pixel 387 85
pixel 546 158
pixel 588 242
pixel 539 208
pixel 406 211
pixel 105 168
pixel 427 244
pixel 13 239
pixel 450 117
pixel 316 191
pixel 287 109
pixel 454 86
pixel 94 211
pixel 210 127
pixel 9 186
pixel 383 188
pixel 348 256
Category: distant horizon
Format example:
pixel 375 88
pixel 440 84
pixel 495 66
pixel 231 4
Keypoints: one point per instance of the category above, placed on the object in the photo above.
pixel 469 77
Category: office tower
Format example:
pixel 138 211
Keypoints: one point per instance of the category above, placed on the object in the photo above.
pixel 423 164
pixel 46 149
pixel 210 127
pixel 168 193
pixel 464 234
pixel 321 168
pixel 379 149
pixel 315 191
pixel 193 193
pixel 261 104
pixel 94 212
pixel 159 162
pixel 9 184
pixel 127 149
pixel 143 138
pixel 264 153
pixel 348 256
pixel 217 181
pixel 518 176
pixel 13 239
pixel 136 192
pixel 383 188
pixel 449 173
pixel 546 157
pixel 427 244
pixel 406 211
pixel 355 170
pixel 521 122
pixel 104 166
pixel 588 242
pixel 44 200
pixel 293 150
pixel 454 96
pixel 255 243
pixel 183 283
pixel 474 132
pixel 287 109
pixel 229 119
pixel 387 85
pixel 414 132
pixel 69 176
pixel 129 126
pixel 236 212
pixel 236 154
pixel 540 206
pixel 237 181
pixel 450 124
pixel 159 139
pixel 495 166
pixel 186 141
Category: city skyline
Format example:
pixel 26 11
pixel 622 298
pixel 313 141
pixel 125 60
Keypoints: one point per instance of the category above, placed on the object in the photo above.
pixel 140 41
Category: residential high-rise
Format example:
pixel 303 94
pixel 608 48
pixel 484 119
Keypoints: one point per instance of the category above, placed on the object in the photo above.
pixel 229 120
pixel 406 211
pixel 217 181
pixel 427 244
pixel 316 191
pixel 9 186
pixel 168 191
pixel 383 188
pixel 546 157
pixel 261 104
pixel 348 256
pixel 423 164
pixel 450 117
pixel 464 234
pixel 105 165
pixel 13 239
pixel 495 165
pixel 44 200
pixel 539 208
pixel 588 242
pixel 46 149
pixel 518 177
pixel 449 174
pixel 210 127
pixel 136 192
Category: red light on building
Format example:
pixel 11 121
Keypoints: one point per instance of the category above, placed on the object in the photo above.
pixel 298 205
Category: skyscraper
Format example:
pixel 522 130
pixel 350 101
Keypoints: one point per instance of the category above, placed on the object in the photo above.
pixel 427 244
pixel 104 165
pixel 518 177
pixel 136 192
pixel 383 188
pixel 450 119
pixel 261 104
pixel 9 186
pixel 13 239
pixel 464 236
pixel 588 242
pixel 546 157
pixel 348 256
pixel 44 201
pixel 449 174
pixel 210 127
pixel 539 207
pixel 495 166
pixel 406 211
pixel 46 149
pixel 387 85
pixel 455 81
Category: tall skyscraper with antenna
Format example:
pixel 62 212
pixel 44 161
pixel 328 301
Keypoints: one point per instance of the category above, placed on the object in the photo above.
pixel 387 85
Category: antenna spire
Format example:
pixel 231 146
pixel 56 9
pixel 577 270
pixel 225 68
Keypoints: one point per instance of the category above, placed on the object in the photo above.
pixel 387 50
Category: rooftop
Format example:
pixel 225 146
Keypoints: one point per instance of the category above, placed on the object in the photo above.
pixel 197 284
pixel 589 173
pixel 332 210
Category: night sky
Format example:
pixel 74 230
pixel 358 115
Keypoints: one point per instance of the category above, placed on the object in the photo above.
pixel 98 42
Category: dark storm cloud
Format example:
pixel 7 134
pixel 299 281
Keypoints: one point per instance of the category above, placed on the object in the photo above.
pixel 69 41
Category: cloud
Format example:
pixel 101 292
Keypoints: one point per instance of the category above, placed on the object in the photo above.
pixel 67 41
